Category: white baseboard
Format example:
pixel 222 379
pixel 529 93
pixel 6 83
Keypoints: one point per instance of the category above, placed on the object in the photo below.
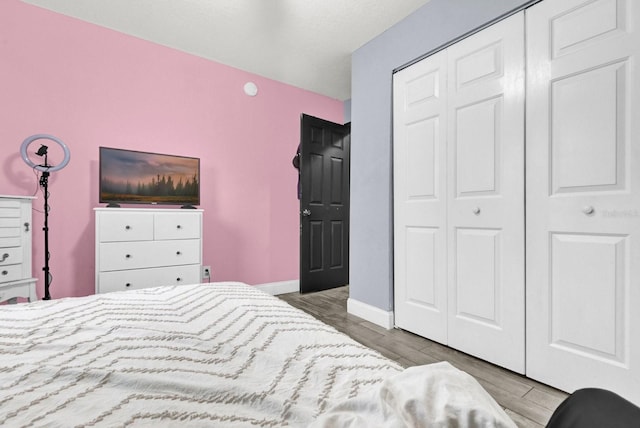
pixel 354 307
pixel 370 313
pixel 280 287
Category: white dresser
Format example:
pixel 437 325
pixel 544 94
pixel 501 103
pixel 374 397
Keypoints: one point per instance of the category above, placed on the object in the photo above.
pixel 147 247
pixel 16 278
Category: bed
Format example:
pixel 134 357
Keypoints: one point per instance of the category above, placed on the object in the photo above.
pixel 219 354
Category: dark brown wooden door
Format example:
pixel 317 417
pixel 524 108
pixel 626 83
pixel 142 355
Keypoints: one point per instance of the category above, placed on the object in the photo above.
pixel 324 204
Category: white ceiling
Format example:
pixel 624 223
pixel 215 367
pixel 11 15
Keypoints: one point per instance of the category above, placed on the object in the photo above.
pixel 304 43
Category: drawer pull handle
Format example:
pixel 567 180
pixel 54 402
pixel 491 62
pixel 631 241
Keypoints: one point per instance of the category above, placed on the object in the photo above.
pixel 26 227
pixel 5 256
pixel 128 256
pixel 127 227
pixel 178 252
pixel 128 284
pixel 179 227
pixel 178 279
pixel 5 272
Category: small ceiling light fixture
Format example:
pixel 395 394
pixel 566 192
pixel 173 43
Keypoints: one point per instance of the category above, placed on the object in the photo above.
pixel 251 89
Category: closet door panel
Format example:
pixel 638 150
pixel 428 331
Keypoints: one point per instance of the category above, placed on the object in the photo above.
pixel 421 243
pixel 477 141
pixel 420 298
pixel 583 195
pixel 478 291
pixel 486 194
pixel 589 323
pixel 588 129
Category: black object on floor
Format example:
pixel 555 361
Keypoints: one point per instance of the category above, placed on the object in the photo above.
pixel 595 408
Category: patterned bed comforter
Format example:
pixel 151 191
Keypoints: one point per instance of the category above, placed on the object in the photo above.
pixel 222 354
pixel 191 355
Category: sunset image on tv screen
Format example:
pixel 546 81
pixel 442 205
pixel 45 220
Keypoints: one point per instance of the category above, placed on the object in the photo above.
pixel 138 177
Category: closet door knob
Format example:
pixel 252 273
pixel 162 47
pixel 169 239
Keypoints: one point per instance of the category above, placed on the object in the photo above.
pixel 26 226
pixel 476 210
pixel 588 210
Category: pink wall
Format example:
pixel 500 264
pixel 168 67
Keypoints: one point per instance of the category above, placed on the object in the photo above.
pixel 92 87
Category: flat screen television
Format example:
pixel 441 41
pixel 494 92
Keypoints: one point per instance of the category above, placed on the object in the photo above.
pixel 133 177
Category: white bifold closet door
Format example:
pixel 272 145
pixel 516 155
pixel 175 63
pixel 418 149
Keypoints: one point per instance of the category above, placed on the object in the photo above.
pixel 420 198
pixel 459 195
pixel 583 194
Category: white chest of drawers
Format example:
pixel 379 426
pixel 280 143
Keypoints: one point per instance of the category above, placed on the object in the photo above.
pixel 16 278
pixel 140 248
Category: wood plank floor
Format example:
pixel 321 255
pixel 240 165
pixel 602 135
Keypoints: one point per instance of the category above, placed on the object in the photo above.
pixel 527 402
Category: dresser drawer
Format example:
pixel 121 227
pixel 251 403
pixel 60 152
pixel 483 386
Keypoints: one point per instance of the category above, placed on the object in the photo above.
pixel 143 254
pixel 115 227
pixel 144 278
pixel 15 241
pixel 10 209
pixel 10 256
pixel 177 225
pixel 13 222
pixel 9 232
pixel 10 273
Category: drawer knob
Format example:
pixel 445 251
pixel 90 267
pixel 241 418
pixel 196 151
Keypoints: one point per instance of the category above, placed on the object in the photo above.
pixel 476 210
pixel 26 226
pixel 127 227
pixel 178 252
pixel 178 279
pixel 128 284
pixel 5 272
pixel 5 256
pixel 179 227
pixel 128 256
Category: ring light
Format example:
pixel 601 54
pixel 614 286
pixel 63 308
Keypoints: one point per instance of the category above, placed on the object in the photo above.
pixel 46 170
pixel 25 156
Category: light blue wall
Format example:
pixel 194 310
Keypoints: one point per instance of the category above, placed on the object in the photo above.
pixel 435 24
pixel 347 111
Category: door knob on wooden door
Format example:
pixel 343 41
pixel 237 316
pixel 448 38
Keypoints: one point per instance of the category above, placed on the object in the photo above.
pixel 306 212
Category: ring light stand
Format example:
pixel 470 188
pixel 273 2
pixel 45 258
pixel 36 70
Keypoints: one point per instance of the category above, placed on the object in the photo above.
pixel 46 170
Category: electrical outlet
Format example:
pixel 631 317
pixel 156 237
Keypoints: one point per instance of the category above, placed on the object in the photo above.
pixel 206 272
